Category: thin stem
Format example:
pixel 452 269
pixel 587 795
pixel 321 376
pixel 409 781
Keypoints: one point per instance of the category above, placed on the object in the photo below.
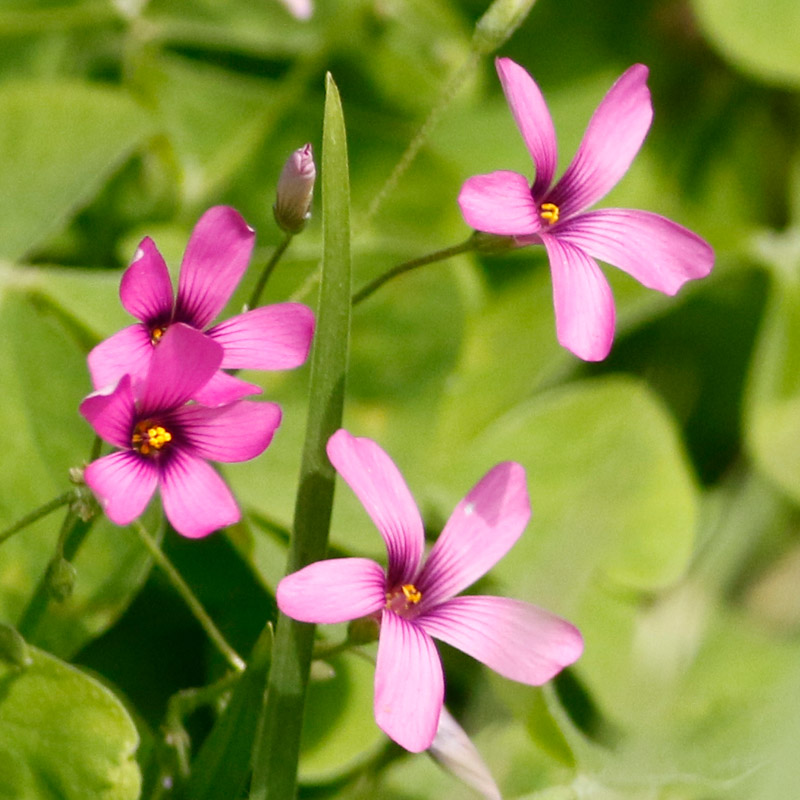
pixel 73 532
pixel 255 297
pixel 437 112
pixel 188 596
pixel 401 269
pixel 34 516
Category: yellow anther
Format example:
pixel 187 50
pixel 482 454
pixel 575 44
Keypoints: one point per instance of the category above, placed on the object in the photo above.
pixel 549 212
pixel 147 437
pixel 156 334
pixel 412 594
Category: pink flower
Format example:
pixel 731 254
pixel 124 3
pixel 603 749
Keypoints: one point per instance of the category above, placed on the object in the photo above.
pixel 219 249
pixel 657 252
pixel 164 442
pixel 416 601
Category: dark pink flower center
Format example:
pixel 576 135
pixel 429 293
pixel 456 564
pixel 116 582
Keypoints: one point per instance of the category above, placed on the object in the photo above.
pixel 149 437
pixel 403 599
pixel 549 213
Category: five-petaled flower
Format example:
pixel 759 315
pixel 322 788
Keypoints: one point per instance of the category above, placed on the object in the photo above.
pixel 269 337
pixel 416 601
pixel 164 440
pixel 657 252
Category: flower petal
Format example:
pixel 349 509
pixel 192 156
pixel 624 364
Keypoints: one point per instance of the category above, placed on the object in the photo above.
pixel 481 530
pixel 270 337
pixel 216 257
pixel 126 352
pixel 533 120
pixel 500 202
pixel 380 487
pixel 146 289
pixel 112 413
pixel 455 752
pixel 183 362
pixel 658 252
pixel 612 140
pixel 196 499
pixel 124 482
pixel 518 640
pixel 583 302
pixel 222 389
pixel 236 432
pixel 409 684
pixel 336 590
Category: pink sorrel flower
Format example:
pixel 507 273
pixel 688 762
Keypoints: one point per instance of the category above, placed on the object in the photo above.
pixel 415 601
pixel 164 441
pixel 657 252
pixel 219 249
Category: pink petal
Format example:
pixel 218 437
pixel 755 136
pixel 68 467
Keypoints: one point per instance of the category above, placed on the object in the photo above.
pixel 236 432
pixel 146 288
pixel 126 352
pixel 112 413
pixel 518 640
pixel 533 120
pixel 336 590
pixel 456 753
pixel 380 487
pixel 270 337
pixel 656 251
pixel 481 530
pixel 583 302
pixel 216 257
pixel 500 202
pixel 124 482
pixel 612 140
pixel 183 362
pixel 222 389
pixel 409 684
pixel 196 499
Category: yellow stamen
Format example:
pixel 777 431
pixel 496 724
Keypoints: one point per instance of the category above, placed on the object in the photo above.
pixel 156 334
pixel 147 437
pixel 549 212
pixel 412 594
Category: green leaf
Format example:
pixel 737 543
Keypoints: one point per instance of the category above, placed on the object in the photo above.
pixel 773 399
pixel 63 736
pixel 609 485
pixel 58 143
pixel 760 38
pixel 222 766
pixel 41 437
pixel 276 757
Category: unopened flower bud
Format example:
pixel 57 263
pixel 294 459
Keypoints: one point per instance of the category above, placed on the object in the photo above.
pixel 60 578
pixel 295 190
pixel 13 648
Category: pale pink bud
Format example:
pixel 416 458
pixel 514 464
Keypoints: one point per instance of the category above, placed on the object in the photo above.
pixel 295 190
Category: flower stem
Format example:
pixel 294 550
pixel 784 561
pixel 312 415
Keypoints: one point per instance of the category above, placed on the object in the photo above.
pixel 188 596
pixel 439 255
pixel 255 297
pixel 34 516
pixel 73 532
pixel 437 112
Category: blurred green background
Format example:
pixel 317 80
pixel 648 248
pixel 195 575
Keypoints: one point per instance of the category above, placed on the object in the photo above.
pixel 665 482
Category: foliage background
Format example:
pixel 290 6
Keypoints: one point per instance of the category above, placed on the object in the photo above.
pixel 665 482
